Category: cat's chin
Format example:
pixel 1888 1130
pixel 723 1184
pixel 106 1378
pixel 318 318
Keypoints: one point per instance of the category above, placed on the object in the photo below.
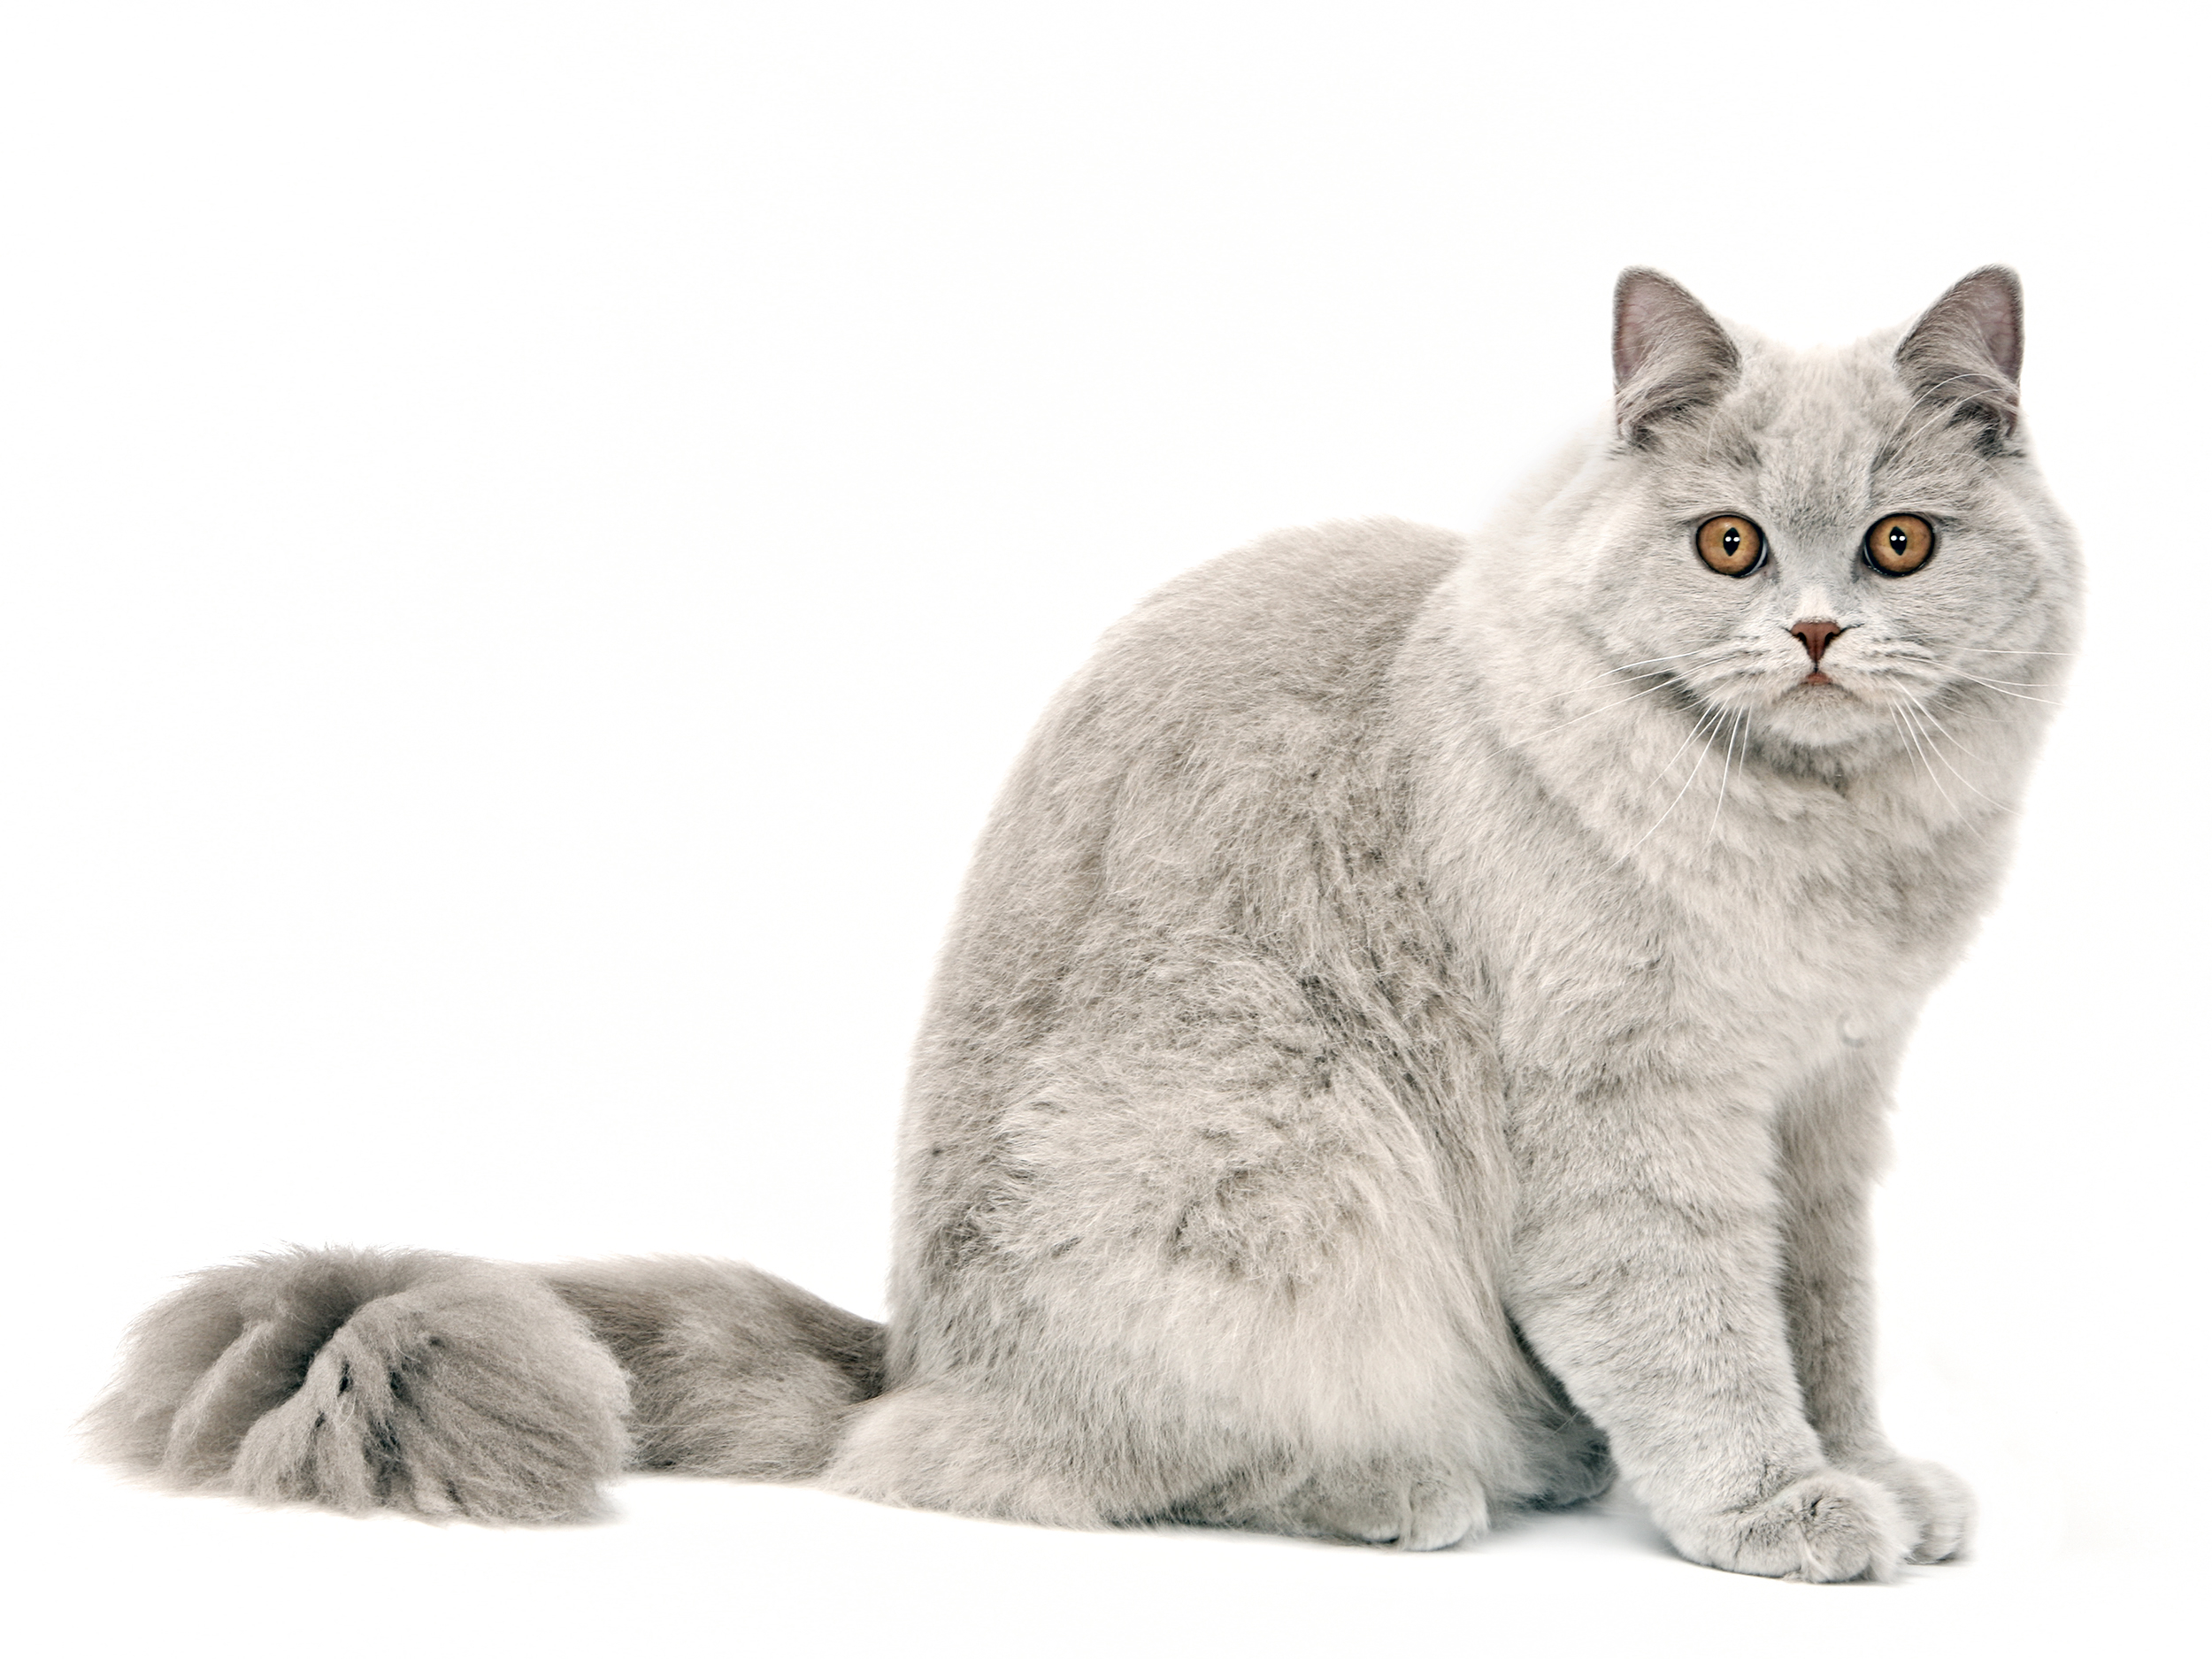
pixel 1822 716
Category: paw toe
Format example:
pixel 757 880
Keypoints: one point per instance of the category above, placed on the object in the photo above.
pixel 1828 1527
pixel 1938 1506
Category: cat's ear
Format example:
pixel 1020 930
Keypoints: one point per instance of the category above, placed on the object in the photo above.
pixel 1670 356
pixel 1965 349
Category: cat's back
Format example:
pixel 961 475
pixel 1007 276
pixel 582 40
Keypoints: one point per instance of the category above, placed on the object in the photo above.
pixel 1253 653
pixel 1214 772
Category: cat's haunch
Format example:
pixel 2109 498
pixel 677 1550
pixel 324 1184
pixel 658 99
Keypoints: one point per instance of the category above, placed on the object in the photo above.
pixel 1415 1042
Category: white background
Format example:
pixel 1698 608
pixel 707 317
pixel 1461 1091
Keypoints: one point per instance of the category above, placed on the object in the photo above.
pixel 532 532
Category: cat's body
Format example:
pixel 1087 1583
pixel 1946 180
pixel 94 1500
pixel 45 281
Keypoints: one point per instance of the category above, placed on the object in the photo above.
pixel 1416 1034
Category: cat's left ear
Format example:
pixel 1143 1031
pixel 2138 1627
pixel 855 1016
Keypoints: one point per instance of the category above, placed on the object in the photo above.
pixel 1965 349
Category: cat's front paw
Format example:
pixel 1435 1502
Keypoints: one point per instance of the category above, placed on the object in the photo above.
pixel 1937 1505
pixel 1825 1528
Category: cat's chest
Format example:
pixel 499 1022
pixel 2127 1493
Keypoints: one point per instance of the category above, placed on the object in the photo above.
pixel 1794 961
pixel 1757 967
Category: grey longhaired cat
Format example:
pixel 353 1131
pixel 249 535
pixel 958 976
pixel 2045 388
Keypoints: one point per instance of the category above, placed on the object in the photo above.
pixel 1416 1039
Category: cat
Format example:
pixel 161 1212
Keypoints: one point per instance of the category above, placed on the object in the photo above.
pixel 1415 1040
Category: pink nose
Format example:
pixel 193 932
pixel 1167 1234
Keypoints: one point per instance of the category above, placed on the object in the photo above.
pixel 1815 636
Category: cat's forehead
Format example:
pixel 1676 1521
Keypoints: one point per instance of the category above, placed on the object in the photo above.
pixel 1821 432
pixel 1823 395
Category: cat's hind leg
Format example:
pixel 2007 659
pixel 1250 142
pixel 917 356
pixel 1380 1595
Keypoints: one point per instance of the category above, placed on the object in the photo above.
pixel 976 1451
pixel 360 1380
pixel 1249 1331
pixel 1433 1494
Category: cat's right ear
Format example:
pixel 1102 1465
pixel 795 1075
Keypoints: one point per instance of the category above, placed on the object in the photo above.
pixel 1670 356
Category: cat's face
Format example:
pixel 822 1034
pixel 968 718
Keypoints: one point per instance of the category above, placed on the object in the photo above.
pixel 1830 549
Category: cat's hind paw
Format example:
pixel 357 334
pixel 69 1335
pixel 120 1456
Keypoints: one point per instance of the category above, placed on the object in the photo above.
pixel 1426 1514
pixel 1399 1503
pixel 1828 1527
pixel 361 1379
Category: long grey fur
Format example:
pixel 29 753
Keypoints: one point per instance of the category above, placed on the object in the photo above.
pixel 1416 1040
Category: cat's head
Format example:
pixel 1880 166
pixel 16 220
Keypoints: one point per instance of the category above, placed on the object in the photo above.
pixel 1836 545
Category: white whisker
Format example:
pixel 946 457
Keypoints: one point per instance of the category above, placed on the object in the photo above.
pixel 1727 759
pixel 1677 658
pixel 1896 716
pixel 1545 698
pixel 1999 686
pixel 1590 713
pixel 1749 670
pixel 1691 737
pixel 1917 714
pixel 2006 682
pixel 1717 716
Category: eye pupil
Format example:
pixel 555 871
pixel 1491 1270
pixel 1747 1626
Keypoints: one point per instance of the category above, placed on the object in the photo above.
pixel 1732 538
pixel 1898 540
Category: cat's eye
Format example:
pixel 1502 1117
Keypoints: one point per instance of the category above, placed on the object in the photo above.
pixel 1732 545
pixel 1901 544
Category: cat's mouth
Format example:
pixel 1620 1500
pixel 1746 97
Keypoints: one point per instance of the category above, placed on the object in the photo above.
pixel 1816 679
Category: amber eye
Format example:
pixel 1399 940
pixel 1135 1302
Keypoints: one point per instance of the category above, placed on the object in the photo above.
pixel 1733 546
pixel 1901 544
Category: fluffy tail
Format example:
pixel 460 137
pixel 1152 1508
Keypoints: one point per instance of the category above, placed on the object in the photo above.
pixel 449 1386
pixel 732 1372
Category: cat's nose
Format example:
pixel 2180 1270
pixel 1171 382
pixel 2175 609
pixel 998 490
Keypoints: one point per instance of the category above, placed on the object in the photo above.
pixel 1815 636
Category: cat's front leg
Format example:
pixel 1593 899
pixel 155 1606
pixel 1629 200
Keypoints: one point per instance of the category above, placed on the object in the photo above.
pixel 1644 1275
pixel 1831 1143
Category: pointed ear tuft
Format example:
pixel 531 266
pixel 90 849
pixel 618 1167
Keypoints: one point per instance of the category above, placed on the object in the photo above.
pixel 1965 349
pixel 1670 356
